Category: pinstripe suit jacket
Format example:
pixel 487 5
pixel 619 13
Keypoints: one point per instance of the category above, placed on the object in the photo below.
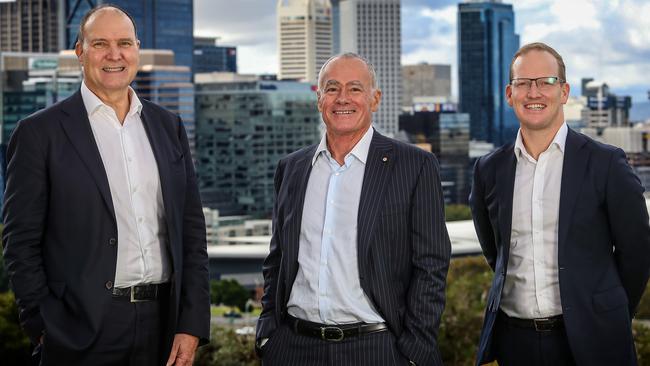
pixel 403 246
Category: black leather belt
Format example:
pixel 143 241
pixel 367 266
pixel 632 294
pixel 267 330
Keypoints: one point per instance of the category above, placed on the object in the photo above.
pixel 540 325
pixel 139 293
pixel 333 332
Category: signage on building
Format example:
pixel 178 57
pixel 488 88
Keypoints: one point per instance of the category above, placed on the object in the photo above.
pixel 43 63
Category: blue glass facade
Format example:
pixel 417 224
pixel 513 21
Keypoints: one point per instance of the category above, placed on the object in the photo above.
pixel 486 44
pixel 210 57
pixel 162 24
pixel 336 27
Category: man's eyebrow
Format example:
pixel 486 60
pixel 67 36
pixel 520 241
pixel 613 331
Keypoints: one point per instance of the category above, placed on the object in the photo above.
pixel 332 82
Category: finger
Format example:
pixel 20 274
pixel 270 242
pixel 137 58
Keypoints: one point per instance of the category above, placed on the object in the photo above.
pixel 172 355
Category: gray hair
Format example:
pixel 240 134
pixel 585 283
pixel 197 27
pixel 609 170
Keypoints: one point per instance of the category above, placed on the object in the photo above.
pixel 371 69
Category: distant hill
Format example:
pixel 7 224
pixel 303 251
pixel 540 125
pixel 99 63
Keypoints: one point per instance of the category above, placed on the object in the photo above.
pixel 640 111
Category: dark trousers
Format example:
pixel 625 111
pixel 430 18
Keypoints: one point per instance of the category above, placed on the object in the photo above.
pixel 286 348
pixel 131 334
pixel 517 346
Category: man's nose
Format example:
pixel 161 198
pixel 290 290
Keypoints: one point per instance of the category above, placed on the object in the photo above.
pixel 114 53
pixel 533 91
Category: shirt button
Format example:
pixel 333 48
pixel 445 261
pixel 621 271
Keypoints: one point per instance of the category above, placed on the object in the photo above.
pixel 109 285
pixel 140 219
pixel 337 173
pixel 135 189
pixel 129 159
pixel 112 241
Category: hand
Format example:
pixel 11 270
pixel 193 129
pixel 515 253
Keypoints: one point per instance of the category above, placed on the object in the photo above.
pixel 183 350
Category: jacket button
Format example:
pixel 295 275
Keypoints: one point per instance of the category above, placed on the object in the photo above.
pixel 109 285
pixel 112 241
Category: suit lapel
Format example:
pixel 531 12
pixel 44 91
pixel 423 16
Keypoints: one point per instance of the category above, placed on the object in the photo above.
pixel 297 189
pixel 573 170
pixel 378 166
pixel 156 137
pixel 77 127
pixel 505 184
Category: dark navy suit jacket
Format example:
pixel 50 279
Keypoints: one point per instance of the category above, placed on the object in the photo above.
pixel 403 246
pixel 603 245
pixel 60 231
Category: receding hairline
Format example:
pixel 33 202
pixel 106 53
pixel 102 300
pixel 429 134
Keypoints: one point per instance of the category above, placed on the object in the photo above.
pixel 540 47
pixel 349 55
pixel 98 10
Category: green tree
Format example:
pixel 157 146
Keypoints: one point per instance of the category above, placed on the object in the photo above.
pixel 457 212
pixel 228 292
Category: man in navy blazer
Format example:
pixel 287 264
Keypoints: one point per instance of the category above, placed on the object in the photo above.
pixel 104 235
pixel 359 251
pixel 563 224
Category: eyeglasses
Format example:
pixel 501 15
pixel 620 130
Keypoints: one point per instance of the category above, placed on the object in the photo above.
pixel 544 83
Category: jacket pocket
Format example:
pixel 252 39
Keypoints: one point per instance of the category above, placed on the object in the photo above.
pixel 609 299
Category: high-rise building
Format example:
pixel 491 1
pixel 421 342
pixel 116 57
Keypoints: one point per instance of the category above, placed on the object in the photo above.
pixel 604 108
pixel 424 80
pixel 28 82
pixel 447 136
pixel 161 24
pixel 30 26
pixel 486 44
pixel 371 28
pixel 304 38
pixel 336 27
pixel 243 129
pixel 161 81
pixel 209 57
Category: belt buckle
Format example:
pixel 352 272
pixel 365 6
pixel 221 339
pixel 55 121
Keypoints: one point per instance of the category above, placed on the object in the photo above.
pixel 339 337
pixel 543 324
pixel 133 299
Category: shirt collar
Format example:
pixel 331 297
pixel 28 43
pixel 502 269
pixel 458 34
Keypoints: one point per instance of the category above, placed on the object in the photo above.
pixel 93 103
pixel 360 150
pixel 559 140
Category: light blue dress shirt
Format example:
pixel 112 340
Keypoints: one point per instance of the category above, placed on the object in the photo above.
pixel 327 287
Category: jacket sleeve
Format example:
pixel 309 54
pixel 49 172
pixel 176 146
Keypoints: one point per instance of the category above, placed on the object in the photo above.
pixel 24 215
pixel 194 308
pixel 430 255
pixel 267 322
pixel 629 226
pixel 481 218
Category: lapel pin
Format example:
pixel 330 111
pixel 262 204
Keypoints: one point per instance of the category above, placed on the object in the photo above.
pixel 384 159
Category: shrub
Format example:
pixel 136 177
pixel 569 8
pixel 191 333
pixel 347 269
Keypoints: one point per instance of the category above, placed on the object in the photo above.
pixel 643 311
pixel 457 212
pixel 468 282
pixel 226 348
pixel 642 341
pixel 14 345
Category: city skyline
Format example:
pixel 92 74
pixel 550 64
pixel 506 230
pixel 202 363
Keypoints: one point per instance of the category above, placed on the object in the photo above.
pixel 606 40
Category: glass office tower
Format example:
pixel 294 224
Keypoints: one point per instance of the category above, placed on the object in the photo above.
pixel 162 24
pixel 486 44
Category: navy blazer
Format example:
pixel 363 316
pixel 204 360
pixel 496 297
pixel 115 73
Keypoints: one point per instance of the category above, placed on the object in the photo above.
pixel 603 245
pixel 402 243
pixel 60 231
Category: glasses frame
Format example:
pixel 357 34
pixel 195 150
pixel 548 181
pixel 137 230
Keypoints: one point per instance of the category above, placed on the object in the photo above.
pixel 536 81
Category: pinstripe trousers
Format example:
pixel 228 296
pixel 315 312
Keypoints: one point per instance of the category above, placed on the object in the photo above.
pixel 286 348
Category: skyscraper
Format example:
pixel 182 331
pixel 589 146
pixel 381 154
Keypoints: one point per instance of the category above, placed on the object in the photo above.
pixel 30 26
pixel 208 57
pixel 425 80
pixel 304 38
pixel 371 28
pixel 486 44
pixel 244 127
pixel 162 24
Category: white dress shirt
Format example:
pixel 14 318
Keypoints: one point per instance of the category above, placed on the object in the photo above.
pixel 532 288
pixel 135 191
pixel 327 287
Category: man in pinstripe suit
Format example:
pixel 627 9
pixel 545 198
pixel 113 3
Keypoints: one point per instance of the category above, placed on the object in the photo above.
pixel 359 252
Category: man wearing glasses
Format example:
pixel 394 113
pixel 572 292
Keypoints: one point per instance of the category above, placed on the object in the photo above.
pixel 562 222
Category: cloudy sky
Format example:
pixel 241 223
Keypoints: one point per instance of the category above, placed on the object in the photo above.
pixel 605 39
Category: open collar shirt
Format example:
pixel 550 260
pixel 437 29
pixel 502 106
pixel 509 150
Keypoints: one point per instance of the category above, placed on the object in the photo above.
pixel 327 288
pixel 532 288
pixel 136 194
